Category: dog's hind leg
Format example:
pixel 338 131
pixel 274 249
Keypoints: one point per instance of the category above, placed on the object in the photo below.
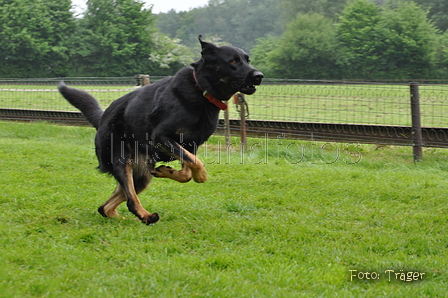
pixel 124 176
pixel 108 209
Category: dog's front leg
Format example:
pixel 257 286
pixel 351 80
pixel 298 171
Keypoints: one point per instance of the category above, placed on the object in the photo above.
pixel 188 159
pixel 198 171
pixel 182 176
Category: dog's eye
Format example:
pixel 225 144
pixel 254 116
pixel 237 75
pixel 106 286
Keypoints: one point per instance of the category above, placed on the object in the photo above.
pixel 234 62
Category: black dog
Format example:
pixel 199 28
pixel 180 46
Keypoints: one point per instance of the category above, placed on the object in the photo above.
pixel 163 122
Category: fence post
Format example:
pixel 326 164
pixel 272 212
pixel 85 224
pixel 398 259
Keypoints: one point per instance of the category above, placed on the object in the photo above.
pixel 239 100
pixel 227 126
pixel 243 123
pixel 417 142
pixel 142 79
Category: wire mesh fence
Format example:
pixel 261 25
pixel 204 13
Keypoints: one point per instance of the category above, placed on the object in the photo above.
pixel 299 101
pixel 347 103
pixel 296 107
pixel 42 94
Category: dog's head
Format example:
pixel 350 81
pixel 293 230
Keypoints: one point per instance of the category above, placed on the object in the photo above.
pixel 226 69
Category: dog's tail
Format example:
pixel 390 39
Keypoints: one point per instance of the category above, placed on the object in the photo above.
pixel 84 102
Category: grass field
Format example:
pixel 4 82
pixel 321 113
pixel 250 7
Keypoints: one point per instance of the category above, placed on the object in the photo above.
pixel 47 97
pixel 378 104
pixel 275 222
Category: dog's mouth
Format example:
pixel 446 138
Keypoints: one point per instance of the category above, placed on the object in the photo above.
pixel 249 89
pixel 252 80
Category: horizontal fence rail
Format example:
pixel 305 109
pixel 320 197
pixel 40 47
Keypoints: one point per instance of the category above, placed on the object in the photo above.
pixel 363 112
pixel 328 132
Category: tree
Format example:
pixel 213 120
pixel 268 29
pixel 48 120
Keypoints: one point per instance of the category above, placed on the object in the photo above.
pixel 168 55
pixel 409 41
pixel 328 8
pixel 441 56
pixel 169 22
pixel 361 42
pixel 236 22
pixel 306 50
pixel 119 38
pixel 395 43
pixel 34 37
pixel 437 12
pixel 259 54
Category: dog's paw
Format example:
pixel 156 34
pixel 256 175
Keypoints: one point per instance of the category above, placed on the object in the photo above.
pixel 151 218
pixel 110 213
pixel 163 172
pixel 200 176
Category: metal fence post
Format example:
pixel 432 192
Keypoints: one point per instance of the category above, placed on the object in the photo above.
pixel 417 143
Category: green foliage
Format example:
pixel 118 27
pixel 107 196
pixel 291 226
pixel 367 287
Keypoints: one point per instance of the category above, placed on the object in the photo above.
pixel 236 22
pixel 33 37
pixel 380 39
pixel 328 8
pixel 307 49
pixel 396 42
pixel 121 39
pixel 259 51
pixel 441 56
pixel 409 40
pixel 272 230
pixel 114 38
pixel 437 12
pixel 374 39
pixel 361 44
pixel 168 54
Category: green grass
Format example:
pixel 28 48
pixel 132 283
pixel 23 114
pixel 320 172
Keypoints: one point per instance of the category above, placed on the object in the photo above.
pixel 275 222
pixel 344 103
pixel 47 97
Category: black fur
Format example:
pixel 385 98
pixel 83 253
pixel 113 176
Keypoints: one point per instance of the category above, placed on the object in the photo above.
pixel 84 102
pixel 157 122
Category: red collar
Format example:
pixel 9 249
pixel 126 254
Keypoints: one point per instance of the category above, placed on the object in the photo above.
pixel 210 97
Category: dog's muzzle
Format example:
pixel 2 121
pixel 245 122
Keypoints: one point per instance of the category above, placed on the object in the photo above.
pixel 253 79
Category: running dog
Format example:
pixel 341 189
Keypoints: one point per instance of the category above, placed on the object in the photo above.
pixel 165 121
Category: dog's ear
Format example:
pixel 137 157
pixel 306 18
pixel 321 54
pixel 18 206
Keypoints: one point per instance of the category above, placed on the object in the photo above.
pixel 207 47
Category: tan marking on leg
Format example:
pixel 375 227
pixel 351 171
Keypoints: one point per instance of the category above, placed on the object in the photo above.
pixel 182 176
pixel 134 203
pixel 196 166
pixel 118 197
pixel 198 171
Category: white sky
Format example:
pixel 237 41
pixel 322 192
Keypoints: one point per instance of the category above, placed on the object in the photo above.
pixel 159 5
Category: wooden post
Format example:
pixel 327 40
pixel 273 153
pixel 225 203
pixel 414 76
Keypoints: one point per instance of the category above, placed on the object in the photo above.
pixel 227 125
pixel 238 99
pixel 142 80
pixel 417 142
pixel 243 122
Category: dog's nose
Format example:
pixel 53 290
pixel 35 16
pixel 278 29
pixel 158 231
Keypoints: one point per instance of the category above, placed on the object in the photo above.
pixel 258 76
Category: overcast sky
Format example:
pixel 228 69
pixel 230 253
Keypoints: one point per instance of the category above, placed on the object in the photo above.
pixel 159 5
